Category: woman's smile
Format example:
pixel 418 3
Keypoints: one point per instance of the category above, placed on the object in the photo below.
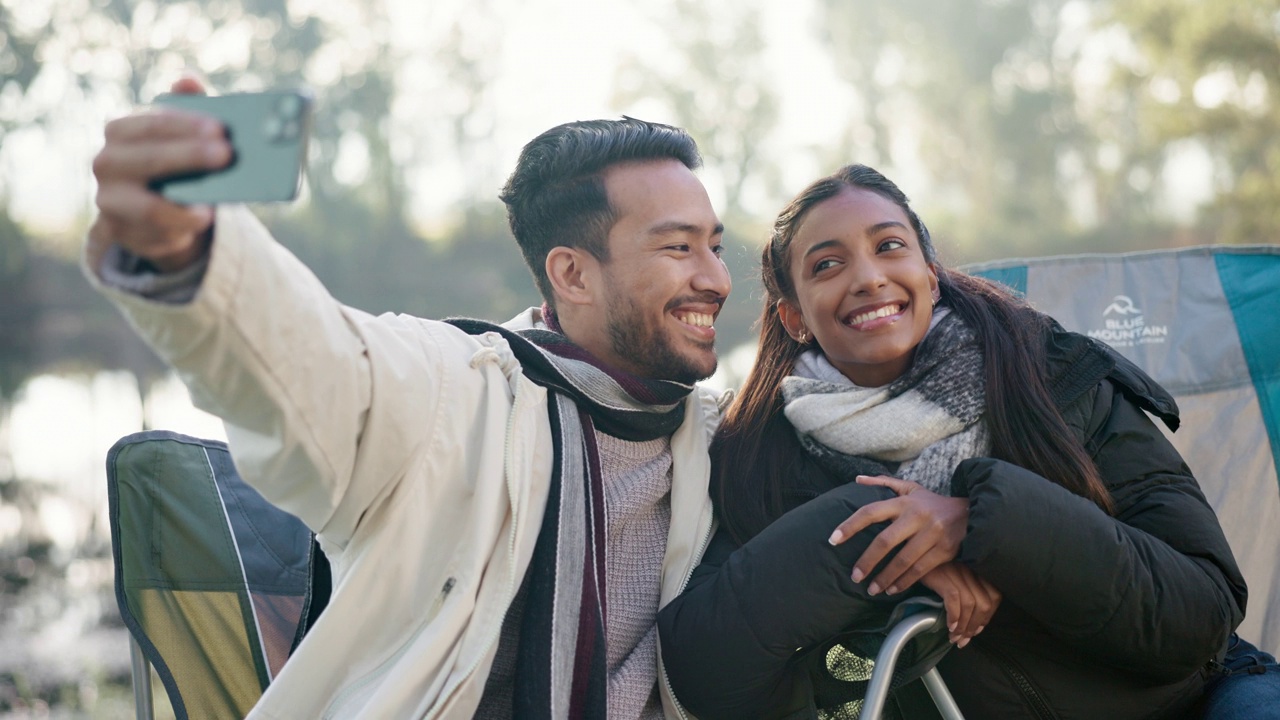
pixel 875 318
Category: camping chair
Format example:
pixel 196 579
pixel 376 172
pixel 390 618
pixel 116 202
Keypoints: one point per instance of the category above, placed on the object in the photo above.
pixel 1204 322
pixel 213 583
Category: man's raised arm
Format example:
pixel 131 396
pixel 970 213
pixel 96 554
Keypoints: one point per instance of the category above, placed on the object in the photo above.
pixel 252 332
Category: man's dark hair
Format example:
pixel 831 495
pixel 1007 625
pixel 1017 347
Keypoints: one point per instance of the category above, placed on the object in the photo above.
pixel 556 196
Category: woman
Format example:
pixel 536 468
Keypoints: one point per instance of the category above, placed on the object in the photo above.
pixel 1001 462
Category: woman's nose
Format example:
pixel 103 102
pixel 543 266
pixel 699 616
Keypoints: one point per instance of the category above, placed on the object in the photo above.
pixel 866 276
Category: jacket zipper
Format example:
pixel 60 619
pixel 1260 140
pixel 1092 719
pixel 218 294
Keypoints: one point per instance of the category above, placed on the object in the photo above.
pixel 1025 687
pixel 702 548
pixel 511 569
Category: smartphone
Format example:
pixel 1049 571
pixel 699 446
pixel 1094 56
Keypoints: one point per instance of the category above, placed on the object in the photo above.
pixel 268 134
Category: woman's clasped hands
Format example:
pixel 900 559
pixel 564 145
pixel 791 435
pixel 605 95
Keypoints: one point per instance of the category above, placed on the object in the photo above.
pixel 929 528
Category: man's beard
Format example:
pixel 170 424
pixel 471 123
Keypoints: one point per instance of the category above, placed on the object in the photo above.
pixel 649 348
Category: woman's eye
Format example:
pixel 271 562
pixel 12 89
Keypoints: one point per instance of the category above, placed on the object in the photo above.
pixel 892 244
pixel 823 265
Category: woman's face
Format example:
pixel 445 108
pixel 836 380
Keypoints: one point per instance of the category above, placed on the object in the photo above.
pixel 864 289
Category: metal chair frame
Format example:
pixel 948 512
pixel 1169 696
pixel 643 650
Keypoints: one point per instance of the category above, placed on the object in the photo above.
pixel 887 658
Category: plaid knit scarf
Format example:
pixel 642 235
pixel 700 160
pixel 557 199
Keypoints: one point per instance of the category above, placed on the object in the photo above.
pixel 561 669
pixel 918 427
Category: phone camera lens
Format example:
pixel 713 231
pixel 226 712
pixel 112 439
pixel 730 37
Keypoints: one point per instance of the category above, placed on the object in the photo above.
pixel 289 106
pixel 273 128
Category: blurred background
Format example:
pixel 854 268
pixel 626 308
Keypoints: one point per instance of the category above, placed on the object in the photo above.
pixel 1018 127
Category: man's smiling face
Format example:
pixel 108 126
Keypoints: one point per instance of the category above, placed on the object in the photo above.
pixel 664 281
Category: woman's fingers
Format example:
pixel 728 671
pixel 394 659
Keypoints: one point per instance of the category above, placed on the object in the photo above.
pixel 163 124
pixel 863 518
pixel 902 487
pixel 969 600
pixel 916 550
pixel 986 599
pixel 969 624
pixel 956 599
pixel 899 531
pixel 989 601
pixel 930 524
pixel 924 560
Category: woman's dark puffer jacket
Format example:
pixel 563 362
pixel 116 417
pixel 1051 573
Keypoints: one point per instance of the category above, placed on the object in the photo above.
pixel 1102 617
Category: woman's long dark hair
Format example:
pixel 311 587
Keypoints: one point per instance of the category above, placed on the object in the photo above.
pixel 755 451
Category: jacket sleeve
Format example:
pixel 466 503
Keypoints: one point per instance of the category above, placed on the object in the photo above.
pixel 315 422
pixel 728 639
pixel 1154 589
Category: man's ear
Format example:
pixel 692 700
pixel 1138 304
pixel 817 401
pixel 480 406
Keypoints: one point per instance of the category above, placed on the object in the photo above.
pixel 793 322
pixel 574 275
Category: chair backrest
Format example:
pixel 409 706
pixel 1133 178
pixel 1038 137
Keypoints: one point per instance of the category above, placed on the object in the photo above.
pixel 212 581
pixel 1205 323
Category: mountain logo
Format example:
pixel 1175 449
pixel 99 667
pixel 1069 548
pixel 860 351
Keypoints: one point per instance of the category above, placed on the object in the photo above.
pixel 1122 305
pixel 1125 325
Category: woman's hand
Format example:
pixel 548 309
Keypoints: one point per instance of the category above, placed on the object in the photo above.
pixel 930 524
pixel 970 600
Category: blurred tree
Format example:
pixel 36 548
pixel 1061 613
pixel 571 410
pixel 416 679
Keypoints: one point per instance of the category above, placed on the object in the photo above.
pixel 1024 151
pixel 19 44
pixel 1207 76
pixel 973 92
pixel 716 87
pixel 63 57
pixel 469 57
pixel 16 311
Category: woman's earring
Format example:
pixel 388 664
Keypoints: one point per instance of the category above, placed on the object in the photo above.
pixel 804 337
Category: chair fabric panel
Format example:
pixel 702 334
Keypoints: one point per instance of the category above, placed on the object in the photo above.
pixel 1013 277
pixel 202 637
pixel 1225 444
pixel 278 619
pixel 1251 283
pixel 274 550
pixel 274 546
pixel 179 583
pixel 167 496
pixel 1165 311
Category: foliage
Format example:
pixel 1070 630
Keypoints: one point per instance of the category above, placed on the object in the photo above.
pixel 1056 126
pixel 1209 73
pixel 717 90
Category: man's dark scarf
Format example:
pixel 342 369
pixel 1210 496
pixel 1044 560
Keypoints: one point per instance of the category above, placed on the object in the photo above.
pixel 561 666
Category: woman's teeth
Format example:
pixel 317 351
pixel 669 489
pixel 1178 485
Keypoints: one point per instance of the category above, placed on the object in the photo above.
pixel 885 311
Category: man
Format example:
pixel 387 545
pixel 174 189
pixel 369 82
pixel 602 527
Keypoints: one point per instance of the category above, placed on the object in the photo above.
pixel 504 509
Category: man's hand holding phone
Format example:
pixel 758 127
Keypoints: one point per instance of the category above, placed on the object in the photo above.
pixel 139 149
pixel 160 172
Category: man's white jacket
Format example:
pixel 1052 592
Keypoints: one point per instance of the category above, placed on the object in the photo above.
pixel 421 457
